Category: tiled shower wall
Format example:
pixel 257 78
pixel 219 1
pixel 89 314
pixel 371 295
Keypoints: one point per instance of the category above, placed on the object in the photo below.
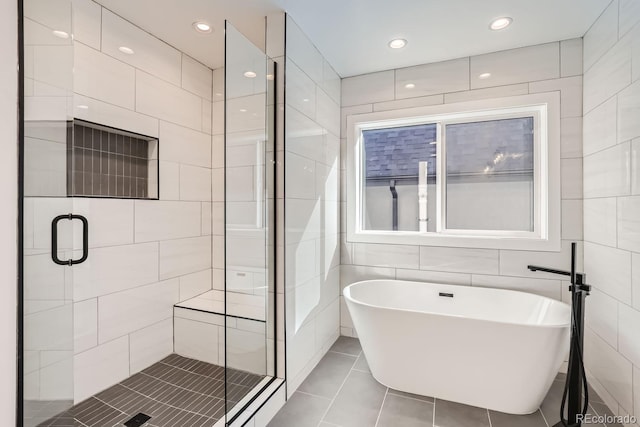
pixel 145 255
pixel 612 204
pixel 552 67
pixel 311 197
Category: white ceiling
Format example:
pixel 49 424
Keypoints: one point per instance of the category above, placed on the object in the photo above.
pixel 353 34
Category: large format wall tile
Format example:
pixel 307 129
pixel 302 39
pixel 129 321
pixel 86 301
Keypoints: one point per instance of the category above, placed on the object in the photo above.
pixel 609 270
pixel 156 220
pixel 87 22
pixel 184 256
pixel 540 62
pixel 368 88
pixel 602 36
pixel 431 79
pixel 100 368
pixel 183 145
pixel 481 261
pixel 607 172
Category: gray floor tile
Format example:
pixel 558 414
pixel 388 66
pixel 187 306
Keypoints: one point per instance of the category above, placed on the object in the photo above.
pixel 361 364
pixel 325 380
pixel 411 395
pixel 499 419
pixel 401 411
pixel 358 403
pixel 550 406
pixel 347 345
pixel 451 414
pixel 301 410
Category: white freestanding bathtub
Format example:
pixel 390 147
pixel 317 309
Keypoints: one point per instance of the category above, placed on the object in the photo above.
pixel 491 348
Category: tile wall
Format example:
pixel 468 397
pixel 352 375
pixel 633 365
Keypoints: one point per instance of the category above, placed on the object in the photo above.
pixel 552 67
pixel 612 204
pixel 145 255
pixel 311 199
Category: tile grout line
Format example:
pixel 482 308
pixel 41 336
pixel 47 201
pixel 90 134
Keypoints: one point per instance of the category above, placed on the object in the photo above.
pixel 544 418
pixel 434 412
pixel 339 389
pixel 386 393
pixel 489 418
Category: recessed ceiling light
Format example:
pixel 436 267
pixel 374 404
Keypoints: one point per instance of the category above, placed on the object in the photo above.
pixel 83 107
pixel 409 86
pixel 127 50
pixel 61 34
pixel 500 23
pixel 484 76
pixel 250 74
pixel 397 43
pixel 202 27
pixel 243 110
pixel 305 100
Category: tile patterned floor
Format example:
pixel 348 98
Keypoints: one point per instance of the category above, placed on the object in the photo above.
pixel 340 392
pixel 175 392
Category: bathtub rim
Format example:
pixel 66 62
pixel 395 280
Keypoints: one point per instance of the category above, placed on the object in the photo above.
pixel 346 293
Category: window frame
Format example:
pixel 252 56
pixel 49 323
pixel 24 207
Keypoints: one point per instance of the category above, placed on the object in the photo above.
pixel 545 110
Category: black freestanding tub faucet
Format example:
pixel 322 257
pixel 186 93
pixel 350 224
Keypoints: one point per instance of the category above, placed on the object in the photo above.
pixel 576 383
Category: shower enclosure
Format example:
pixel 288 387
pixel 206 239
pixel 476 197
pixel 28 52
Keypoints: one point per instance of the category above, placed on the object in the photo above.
pixel 148 281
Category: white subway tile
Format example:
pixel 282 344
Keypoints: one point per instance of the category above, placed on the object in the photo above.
pixel 101 77
pixel 600 221
pixel 514 263
pixel 635 284
pixel 195 183
pixel 327 113
pixel 301 50
pixel 196 340
pixel 571 178
pixel 600 127
pixel 158 220
pixel 602 316
pixel 629 223
pixel 169 181
pixel 571 137
pixel 197 78
pixel 368 88
pixel 628 113
pixel 85 324
pixel 150 345
pixel 354 273
pixel 609 75
pixel 182 145
pixel 114 116
pixel 607 173
pixel 571 57
pixel 87 17
pixel 331 82
pixel 194 284
pixel 150 303
pixel 572 220
pixel 601 36
pixel 570 93
pixel 158 98
pixel 434 277
pixel 432 79
pixel 114 269
pixel 184 256
pixel 378 255
pixel 544 287
pixel 526 64
pixel 629 323
pixel 611 369
pixel 100 367
pixel 487 93
pixel 151 54
pixel 608 270
pixel 111 221
pixel 459 260
pixel 301 91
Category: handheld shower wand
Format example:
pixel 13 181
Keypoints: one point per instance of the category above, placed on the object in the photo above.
pixel 576 382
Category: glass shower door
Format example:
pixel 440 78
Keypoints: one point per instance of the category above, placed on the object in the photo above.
pixel 249 220
pixel 47 293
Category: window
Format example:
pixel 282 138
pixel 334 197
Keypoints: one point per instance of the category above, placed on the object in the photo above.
pixel 459 176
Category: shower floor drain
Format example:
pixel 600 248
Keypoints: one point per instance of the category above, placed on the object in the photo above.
pixel 138 420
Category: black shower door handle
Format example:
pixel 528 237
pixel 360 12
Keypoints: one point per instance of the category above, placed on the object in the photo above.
pixel 54 240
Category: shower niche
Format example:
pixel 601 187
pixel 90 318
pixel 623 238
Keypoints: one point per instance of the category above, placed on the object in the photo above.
pixel 108 162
